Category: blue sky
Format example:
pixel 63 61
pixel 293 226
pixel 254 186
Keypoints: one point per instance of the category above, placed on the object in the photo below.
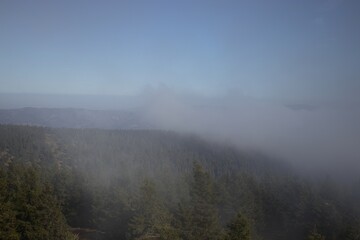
pixel 267 49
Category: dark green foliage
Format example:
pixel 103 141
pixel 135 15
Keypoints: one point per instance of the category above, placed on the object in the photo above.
pixel 315 235
pixel 151 219
pixel 238 229
pixel 200 221
pixel 90 180
pixel 8 221
pixel 30 209
pixel 111 212
pixel 351 232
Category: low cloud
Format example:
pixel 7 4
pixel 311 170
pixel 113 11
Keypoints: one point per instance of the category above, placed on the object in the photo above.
pixel 325 136
pixel 312 136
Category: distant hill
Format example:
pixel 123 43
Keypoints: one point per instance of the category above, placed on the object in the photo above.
pixel 73 118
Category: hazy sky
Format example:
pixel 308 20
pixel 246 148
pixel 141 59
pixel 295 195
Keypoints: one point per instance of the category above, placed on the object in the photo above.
pixel 278 49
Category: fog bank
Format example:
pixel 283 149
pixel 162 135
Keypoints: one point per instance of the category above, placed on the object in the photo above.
pixel 322 136
pixel 313 135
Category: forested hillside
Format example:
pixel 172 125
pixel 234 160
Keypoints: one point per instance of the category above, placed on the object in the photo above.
pixel 147 184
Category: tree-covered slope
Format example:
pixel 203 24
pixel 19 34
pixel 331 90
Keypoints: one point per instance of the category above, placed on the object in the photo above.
pixel 139 184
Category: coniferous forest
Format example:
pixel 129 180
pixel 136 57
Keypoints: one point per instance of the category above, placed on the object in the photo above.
pixel 149 184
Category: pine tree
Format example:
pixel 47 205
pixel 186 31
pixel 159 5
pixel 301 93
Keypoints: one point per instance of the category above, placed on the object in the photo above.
pixel 238 229
pixel 37 212
pixel 151 219
pixel 204 219
pixel 7 215
pixel 183 221
pixel 7 223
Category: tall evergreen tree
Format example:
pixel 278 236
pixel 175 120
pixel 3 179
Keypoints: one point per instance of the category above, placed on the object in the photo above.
pixel 7 223
pixel 7 215
pixel 204 217
pixel 151 219
pixel 238 229
pixel 37 212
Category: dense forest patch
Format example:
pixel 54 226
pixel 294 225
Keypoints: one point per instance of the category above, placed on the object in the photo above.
pixel 147 184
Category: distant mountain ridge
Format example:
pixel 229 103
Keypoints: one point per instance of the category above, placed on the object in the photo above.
pixel 73 118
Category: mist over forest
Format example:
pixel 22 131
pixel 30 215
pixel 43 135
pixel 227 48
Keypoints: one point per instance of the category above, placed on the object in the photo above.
pixel 179 120
pixel 314 136
pixel 167 160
